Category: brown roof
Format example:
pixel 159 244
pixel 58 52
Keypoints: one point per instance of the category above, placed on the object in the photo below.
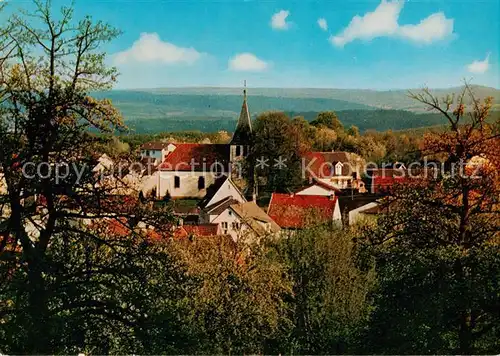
pixel 220 206
pixel 320 164
pixel 253 216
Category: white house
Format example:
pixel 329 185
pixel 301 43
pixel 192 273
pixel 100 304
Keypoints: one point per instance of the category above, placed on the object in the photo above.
pixel 156 150
pixel 242 221
pixel 187 169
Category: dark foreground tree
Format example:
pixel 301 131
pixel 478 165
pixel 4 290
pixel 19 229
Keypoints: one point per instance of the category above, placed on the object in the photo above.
pixel 65 281
pixel 437 251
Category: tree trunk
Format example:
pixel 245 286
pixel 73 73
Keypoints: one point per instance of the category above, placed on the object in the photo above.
pixel 38 333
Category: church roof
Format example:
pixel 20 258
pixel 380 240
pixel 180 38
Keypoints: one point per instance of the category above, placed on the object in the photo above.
pixel 243 133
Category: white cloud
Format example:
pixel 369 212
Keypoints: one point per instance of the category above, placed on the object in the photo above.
pixel 433 28
pixel 383 22
pixel 278 21
pixel 247 62
pixel 323 24
pixel 149 48
pixel 479 67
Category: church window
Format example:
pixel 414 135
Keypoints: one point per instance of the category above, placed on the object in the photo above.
pixel 177 182
pixel 201 183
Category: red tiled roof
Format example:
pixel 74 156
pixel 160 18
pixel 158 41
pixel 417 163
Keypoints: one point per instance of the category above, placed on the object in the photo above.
pixel 202 229
pixel 320 164
pixel 197 157
pixel 384 179
pixel 298 211
pixel 385 184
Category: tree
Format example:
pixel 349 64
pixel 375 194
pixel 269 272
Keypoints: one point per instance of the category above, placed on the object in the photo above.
pixel 241 305
pixel 437 249
pixel 281 143
pixel 330 290
pixel 49 65
pixel 330 120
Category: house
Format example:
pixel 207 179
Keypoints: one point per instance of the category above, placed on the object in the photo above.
pixel 156 150
pixel 190 168
pixel 293 211
pixel 187 169
pixel 222 188
pixel 338 169
pixel 242 221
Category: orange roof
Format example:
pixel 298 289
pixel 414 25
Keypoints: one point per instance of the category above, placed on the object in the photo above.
pixel 298 211
pixel 202 229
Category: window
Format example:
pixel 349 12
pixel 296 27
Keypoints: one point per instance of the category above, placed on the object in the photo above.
pixel 201 183
pixel 338 169
pixel 224 227
pixel 177 182
pixel 147 152
pixel 236 225
pixel 238 151
pixel 245 151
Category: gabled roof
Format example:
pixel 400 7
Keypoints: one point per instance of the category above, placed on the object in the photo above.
pixel 253 216
pixel 197 157
pixel 321 184
pixel 243 133
pixel 320 163
pixel 298 211
pixel 220 206
pixel 212 190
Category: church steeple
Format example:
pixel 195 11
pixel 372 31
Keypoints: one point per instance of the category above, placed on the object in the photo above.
pixel 243 133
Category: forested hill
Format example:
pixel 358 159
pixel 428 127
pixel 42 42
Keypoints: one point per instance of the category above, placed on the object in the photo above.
pixel 213 109
pixel 379 120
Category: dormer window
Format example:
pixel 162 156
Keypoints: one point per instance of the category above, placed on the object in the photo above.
pixel 338 169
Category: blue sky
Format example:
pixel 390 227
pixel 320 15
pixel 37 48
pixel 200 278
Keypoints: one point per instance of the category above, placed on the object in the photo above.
pixel 310 43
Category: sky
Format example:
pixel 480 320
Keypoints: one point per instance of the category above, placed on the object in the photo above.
pixel 369 44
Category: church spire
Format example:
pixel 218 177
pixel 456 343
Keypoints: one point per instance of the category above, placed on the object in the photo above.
pixel 242 134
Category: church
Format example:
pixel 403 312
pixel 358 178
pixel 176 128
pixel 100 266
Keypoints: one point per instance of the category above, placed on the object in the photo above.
pixel 187 170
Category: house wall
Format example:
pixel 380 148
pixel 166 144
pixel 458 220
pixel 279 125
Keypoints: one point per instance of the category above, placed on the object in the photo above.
pixel 339 182
pixel 337 214
pixel 229 217
pixel 357 215
pixel 188 184
pixel 316 190
pixel 226 190
pixel 157 154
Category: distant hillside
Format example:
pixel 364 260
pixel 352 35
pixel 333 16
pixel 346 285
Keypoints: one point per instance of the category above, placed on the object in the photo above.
pixel 212 109
pixel 379 120
pixel 137 105
pixel 392 99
